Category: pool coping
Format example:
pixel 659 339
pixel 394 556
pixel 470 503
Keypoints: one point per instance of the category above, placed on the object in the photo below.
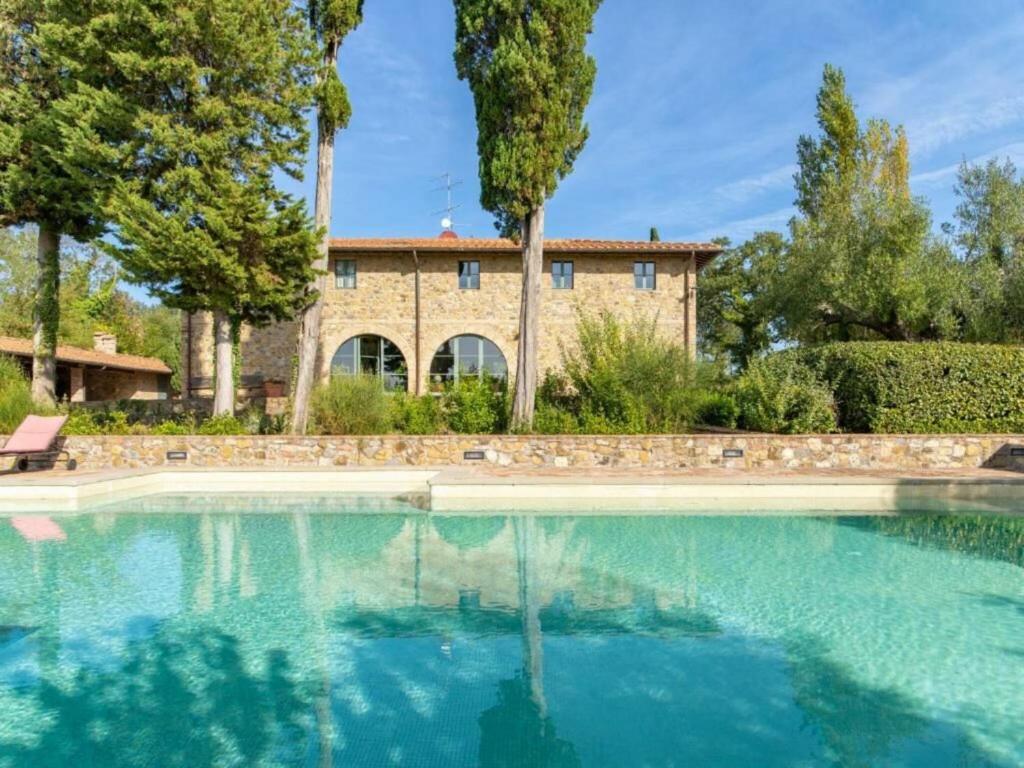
pixel 462 490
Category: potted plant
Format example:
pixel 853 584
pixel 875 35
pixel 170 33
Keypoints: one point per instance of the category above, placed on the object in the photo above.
pixel 273 388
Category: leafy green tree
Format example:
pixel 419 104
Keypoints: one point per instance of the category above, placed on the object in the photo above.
pixel 531 78
pixel 330 21
pixel 655 235
pixel 61 119
pixel 828 162
pixel 863 262
pixel 736 314
pixel 989 234
pixel 92 299
pixel 201 223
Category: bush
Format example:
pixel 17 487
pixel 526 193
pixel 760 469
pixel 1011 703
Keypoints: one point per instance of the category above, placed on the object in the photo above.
pixel 717 409
pixel 222 424
pixel 15 395
pixel 928 387
pixel 475 406
pixel 779 393
pixel 351 405
pixel 416 415
pixel 549 419
pixel 625 377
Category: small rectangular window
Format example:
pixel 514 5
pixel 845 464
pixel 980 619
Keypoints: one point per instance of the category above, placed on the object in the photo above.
pixel 469 275
pixel 345 273
pixel 644 278
pixel 561 275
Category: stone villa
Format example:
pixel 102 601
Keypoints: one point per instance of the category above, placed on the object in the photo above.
pixel 419 312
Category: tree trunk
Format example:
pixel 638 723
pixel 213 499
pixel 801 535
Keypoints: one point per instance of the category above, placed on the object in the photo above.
pixel 529 320
pixel 224 392
pixel 309 334
pixel 46 317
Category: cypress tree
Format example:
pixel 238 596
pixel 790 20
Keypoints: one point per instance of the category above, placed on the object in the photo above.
pixel 329 21
pixel 531 78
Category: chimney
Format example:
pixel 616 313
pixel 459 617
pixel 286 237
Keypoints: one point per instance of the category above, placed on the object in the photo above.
pixel 104 342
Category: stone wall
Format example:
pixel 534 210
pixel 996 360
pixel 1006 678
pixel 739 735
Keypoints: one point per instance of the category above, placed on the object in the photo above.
pixel 669 452
pixel 383 303
pixel 110 384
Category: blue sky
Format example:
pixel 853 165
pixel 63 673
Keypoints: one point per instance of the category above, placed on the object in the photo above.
pixel 695 114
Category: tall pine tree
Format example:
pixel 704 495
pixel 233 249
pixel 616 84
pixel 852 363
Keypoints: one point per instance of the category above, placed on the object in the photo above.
pixel 330 21
pixel 201 223
pixel 61 121
pixel 531 77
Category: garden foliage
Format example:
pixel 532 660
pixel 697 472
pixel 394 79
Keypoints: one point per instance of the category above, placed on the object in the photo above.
pixel 15 395
pixel 625 377
pixel 937 387
pixel 779 393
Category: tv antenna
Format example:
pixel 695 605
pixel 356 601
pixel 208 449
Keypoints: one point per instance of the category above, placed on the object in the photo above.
pixel 448 184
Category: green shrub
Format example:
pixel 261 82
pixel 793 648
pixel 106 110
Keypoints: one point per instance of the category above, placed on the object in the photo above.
pixel 87 421
pixel 475 406
pixel 222 424
pixel 170 427
pixel 779 393
pixel 351 405
pixel 718 409
pixel 416 415
pixel 626 377
pixel 549 419
pixel 15 395
pixel 928 387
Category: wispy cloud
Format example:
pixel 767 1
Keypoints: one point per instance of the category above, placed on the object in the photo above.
pixel 945 174
pixel 742 190
pixel 929 133
pixel 742 229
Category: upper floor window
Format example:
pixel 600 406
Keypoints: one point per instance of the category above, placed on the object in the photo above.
pixel 345 273
pixel 561 275
pixel 469 275
pixel 644 278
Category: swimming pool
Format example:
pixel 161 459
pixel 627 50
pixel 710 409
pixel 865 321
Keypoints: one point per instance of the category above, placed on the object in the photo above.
pixel 361 632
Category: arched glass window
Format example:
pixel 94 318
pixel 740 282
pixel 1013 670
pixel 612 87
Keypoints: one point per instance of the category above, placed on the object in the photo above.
pixel 467 356
pixel 373 355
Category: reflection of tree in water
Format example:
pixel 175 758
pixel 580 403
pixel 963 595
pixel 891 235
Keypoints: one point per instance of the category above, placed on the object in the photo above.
pixel 994 537
pixel 517 731
pixel 514 732
pixel 179 699
pixel 862 725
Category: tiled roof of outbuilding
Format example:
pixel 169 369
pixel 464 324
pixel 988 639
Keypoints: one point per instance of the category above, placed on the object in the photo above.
pixel 23 348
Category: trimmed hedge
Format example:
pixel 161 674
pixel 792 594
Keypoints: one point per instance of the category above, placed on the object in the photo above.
pixel 894 387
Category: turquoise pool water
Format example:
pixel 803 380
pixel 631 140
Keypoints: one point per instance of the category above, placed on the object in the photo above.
pixel 190 632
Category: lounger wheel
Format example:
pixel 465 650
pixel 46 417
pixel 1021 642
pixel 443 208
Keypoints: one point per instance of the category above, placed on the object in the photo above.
pixel 21 464
pixel 72 465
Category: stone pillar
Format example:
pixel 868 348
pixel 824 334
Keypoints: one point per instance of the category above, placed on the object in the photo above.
pixel 77 393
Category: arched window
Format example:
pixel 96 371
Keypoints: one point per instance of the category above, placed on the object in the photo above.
pixel 373 355
pixel 468 355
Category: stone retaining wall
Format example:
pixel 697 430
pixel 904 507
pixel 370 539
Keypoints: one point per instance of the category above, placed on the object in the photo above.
pixel 760 452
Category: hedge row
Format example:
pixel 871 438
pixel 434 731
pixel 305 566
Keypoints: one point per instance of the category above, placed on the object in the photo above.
pixel 932 387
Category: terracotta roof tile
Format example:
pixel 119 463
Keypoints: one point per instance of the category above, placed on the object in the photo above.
pixel 472 244
pixel 65 354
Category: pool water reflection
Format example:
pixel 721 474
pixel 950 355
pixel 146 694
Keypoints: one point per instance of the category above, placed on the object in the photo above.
pixel 318 632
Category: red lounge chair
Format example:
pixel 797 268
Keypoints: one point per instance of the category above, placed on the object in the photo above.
pixel 33 441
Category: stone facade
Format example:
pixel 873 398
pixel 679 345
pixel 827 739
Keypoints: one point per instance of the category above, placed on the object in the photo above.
pixel 623 452
pixel 110 384
pixel 384 303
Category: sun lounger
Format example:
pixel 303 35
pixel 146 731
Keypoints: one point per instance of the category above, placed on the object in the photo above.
pixel 33 442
